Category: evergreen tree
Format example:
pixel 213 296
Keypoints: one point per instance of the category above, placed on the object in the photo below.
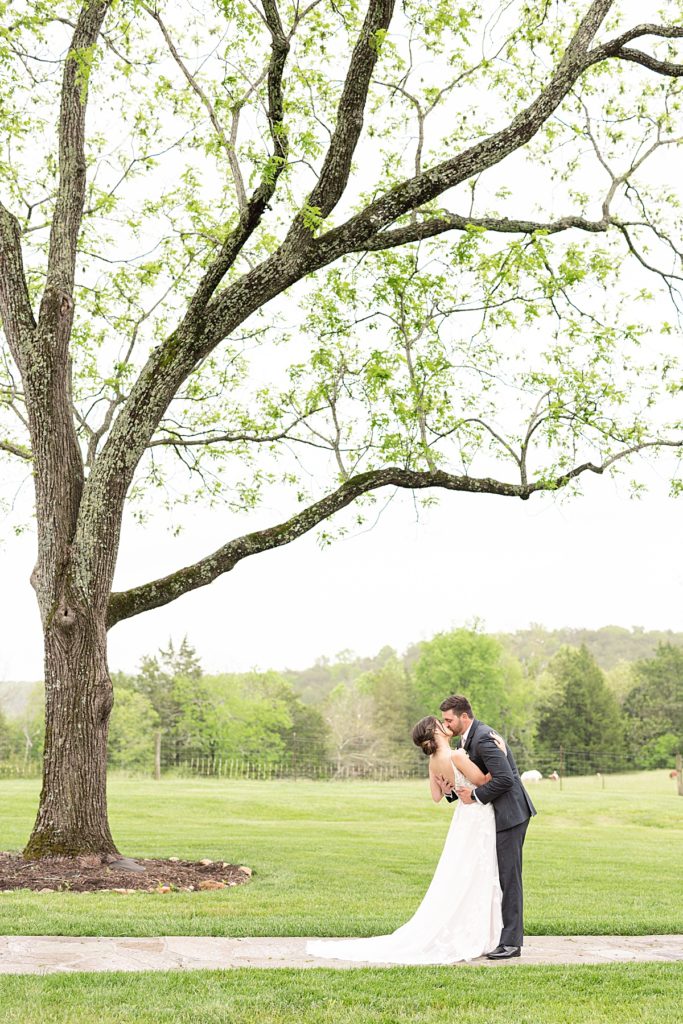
pixel 655 708
pixel 581 716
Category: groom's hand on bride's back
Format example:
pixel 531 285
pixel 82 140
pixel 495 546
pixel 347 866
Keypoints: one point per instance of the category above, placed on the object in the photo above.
pixel 445 785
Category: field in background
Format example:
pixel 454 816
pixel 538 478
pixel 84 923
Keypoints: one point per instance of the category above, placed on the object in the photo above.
pixel 354 858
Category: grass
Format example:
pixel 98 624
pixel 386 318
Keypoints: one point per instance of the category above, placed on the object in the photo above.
pixel 614 994
pixel 355 858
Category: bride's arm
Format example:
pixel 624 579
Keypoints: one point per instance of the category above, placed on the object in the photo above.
pixel 469 769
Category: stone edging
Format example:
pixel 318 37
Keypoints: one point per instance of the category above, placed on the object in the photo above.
pixel 36 954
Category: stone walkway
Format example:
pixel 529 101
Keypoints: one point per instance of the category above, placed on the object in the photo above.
pixel 53 954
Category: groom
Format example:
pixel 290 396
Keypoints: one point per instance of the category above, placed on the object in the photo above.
pixel 512 808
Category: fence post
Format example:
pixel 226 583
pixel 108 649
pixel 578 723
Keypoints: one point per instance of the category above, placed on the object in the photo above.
pixel 679 774
pixel 157 755
pixel 561 766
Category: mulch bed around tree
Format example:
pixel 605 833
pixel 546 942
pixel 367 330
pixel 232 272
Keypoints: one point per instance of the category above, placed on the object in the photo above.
pixel 90 874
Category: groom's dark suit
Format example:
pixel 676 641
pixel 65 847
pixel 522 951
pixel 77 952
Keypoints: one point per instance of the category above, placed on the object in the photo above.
pixel 512 808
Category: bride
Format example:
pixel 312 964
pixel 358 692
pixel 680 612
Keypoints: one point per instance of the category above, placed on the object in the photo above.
pixel 460 916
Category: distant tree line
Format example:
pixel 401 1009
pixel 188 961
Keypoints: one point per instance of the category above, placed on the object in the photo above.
pixel 559 712
pixel 564 714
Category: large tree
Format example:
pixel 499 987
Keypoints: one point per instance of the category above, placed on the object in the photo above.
pixel 169 170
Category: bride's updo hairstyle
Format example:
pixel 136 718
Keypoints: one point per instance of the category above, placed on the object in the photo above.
pixel 423 734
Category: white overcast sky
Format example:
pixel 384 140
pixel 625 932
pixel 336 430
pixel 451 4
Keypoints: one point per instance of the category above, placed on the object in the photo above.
pixel 588 561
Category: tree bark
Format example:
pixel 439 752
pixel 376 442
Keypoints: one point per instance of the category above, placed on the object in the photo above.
pixel 72 816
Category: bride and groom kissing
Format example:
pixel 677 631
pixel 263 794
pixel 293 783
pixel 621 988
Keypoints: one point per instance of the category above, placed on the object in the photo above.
pixel 473 906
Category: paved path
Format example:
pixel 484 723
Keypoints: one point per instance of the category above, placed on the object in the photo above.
pixel 53 954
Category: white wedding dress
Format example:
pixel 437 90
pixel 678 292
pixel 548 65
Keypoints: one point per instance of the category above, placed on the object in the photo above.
pixel 460 916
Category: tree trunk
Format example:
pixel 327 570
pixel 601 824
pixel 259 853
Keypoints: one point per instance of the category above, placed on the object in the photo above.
pixel 72 816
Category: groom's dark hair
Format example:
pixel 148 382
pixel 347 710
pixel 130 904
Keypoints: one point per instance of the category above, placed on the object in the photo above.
pixel 456 703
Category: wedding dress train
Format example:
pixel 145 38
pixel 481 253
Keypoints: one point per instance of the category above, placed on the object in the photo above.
pixel 460 916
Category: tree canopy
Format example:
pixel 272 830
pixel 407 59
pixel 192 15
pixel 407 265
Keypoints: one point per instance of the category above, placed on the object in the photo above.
pixel 233 151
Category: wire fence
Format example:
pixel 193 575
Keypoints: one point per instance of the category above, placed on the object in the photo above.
pixel 239 768
pixel 556 764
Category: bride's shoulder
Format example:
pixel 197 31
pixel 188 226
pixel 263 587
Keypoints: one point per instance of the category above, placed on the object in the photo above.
pixel 459 756
pixel 438 761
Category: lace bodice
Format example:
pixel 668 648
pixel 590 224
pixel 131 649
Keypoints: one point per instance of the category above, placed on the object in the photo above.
pixel 460 780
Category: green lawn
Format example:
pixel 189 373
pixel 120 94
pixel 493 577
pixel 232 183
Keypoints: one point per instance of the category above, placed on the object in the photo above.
pixel 619 994
pixel 355 858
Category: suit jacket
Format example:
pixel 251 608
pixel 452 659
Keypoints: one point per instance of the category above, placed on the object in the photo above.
pixel 511 802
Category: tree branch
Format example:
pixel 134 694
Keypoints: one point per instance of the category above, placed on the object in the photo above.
pixel 427 186
pixel 15 303
pixel 185 441
pixel 590 467
pixel 447 221
pixel 57 299
pixel 616 48
pixel 228 144
pixel 153 595
pixel 336 168
pixel 290 262
pixel 662 67
pixel 535 421
pixel 667 276
pixel 662 31
pixel 126 604
pixel 496 436
pixel 250 216
pixel 16 449
pixel 423 188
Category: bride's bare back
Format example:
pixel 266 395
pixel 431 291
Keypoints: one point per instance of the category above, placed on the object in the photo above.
pixel 441 764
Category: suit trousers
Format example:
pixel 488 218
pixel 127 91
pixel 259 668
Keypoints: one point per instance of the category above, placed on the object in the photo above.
pixel 509 843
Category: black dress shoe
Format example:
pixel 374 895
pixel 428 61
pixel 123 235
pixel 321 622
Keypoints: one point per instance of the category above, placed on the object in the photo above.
pixel 504 953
